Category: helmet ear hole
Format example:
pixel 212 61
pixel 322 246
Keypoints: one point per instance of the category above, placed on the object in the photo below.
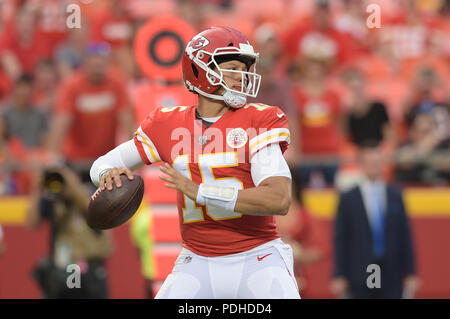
pixel 231 44
pixel 194 70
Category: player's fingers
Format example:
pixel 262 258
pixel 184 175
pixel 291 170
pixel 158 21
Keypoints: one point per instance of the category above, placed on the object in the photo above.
pixel 165 170
pixel 127 172
pixel 167 179
pixel 102 182
pixel 168 167
pixel 108 182
pixel 172 186
pixel 169 170
pixel 116 178
pixel 111 178
pixel 173 171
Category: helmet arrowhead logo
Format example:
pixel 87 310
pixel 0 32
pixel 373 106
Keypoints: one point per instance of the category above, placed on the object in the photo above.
pixel 198 42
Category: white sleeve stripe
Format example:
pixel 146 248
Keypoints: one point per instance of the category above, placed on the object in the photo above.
pixel 266 134
pixel 284 136
pixel 148 146
pixel 271 140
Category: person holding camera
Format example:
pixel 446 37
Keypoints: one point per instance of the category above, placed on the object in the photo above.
pixel 60 198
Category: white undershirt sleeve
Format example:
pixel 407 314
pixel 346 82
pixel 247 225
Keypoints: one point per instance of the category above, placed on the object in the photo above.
pixel 269 162
pixel 124 155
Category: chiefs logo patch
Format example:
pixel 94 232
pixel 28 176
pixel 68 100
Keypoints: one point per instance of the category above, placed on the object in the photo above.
pixel 237 138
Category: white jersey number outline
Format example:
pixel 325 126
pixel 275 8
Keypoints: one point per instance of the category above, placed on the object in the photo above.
pixel 192 212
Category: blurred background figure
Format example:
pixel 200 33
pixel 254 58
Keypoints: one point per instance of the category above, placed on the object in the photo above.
pixel 141 235
pixel 365 119
pixel 46 79
pixel 372 227
pixel 69 54
pixel 23 129
pixel 352 22
pixel 275 88
pixel 317 33
pixel 115 27
pixel 93 105
pixel 21 47
pixel 5 86
pixel 318 122
pixel 58 197
pixel 300 229
pixel 21 119
pixel 428 95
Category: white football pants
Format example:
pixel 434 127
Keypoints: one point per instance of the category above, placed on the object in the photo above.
pixel 264 272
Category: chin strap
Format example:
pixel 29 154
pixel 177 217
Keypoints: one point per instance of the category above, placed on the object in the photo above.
pixel 234 100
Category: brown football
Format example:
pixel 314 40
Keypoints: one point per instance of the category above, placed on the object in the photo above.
pixel 111 208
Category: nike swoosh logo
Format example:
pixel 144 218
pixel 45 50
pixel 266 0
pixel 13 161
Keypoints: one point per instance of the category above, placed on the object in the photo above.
pixel 280 115
pixel 261 258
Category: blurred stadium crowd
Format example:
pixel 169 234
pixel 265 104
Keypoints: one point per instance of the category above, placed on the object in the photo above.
pixel 341 82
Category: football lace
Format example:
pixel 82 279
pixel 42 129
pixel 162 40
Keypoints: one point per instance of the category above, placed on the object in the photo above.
pixel 98 191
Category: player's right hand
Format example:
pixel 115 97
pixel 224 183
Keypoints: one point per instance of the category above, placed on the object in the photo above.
pixel 112 177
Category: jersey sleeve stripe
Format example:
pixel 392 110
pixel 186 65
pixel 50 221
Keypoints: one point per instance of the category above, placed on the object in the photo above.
pixel 276 138
pixel 287 135
pixel 141 150
pixel 148 146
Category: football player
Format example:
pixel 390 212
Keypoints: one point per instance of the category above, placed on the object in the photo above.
pixel 224 157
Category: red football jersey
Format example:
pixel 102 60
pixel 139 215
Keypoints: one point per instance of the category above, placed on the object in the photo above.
pixel 89 105
pixel 219 155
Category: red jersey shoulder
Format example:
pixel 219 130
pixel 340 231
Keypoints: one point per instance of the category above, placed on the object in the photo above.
pixel 153 134
pixel 266 116
pixel 271 126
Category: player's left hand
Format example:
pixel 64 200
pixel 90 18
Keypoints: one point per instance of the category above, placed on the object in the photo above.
pixel 177 181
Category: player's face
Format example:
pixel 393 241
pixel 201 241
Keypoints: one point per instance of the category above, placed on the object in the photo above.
pixel 234 80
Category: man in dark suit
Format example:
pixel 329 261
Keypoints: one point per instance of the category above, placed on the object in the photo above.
pixel 372 228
